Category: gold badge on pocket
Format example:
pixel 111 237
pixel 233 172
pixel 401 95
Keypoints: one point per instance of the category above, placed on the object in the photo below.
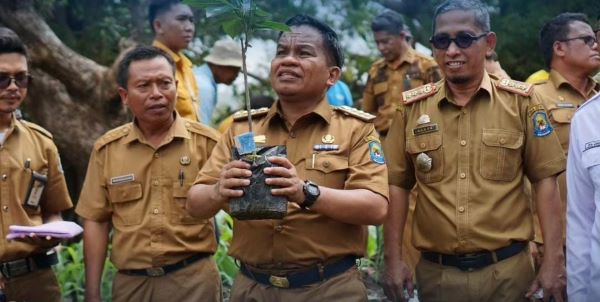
pixel 424 162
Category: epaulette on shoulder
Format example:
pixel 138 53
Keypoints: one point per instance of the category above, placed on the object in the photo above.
pixel 419 93
pixel 513 86
pixel 359 114
pixel 112 135
pixel 241 115
pixel 37 128
pixel 202 129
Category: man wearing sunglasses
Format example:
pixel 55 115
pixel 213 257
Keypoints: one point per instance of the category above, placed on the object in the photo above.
pixel 467 143
pixel 32 183
pixel 400 69
pixel 570 52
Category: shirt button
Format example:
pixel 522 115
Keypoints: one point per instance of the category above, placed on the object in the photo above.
pixel 155 182
pixel 422 145
pixel 5 208
pixel 278 228
pixel 461 209
pixel 463 142
pixel 326 164
pixel 502 141
pixel 155 211
pixel 156 155
pixel 4 177
pixel 463 175
pixel 292 134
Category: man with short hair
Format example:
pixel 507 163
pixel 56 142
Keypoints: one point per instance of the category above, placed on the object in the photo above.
pixel 33 186
pixel 333 179
pixel 222 66
pixel 137 181
pixel 467 143
pixel 172 23
pixel 401 69
pixel 570 51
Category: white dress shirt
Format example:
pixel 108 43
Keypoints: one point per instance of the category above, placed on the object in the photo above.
pixel 583 204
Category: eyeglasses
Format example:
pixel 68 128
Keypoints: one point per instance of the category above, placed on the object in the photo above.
pixel 462 40
pixel 22 80
pixel 588 40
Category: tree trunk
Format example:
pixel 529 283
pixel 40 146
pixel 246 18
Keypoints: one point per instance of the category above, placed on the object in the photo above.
pixel 72 96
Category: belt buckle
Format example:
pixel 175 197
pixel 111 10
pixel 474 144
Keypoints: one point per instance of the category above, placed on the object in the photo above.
pixel 155 271
pixel 467 261
pixel 277 281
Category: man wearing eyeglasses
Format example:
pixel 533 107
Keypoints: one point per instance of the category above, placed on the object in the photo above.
pixel 400 69
pixel 467 143
pixel 32 185
pixel 570 52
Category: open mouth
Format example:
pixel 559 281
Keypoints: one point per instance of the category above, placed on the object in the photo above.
pixel 287 75
pixel 455 64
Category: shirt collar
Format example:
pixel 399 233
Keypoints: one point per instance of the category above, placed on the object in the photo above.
pixel 486 86
pixel 178 129
pixel 178 57
pixel 323 110
pixel 558 80
pixel 408 57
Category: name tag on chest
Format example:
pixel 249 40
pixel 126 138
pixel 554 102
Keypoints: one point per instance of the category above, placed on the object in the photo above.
pixel 425 129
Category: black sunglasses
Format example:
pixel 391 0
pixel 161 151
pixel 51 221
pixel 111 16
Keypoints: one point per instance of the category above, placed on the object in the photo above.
pixel 22 80
pixel 462 40
pixel 588 40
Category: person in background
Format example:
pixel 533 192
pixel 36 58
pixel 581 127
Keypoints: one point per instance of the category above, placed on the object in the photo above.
pixel 172 23
pixel 400 69
pixel 339 95
pixel 136 184
pixel 33 186
pixel 570 51
pixel 492 66
pixel 467 143
pixel 222 66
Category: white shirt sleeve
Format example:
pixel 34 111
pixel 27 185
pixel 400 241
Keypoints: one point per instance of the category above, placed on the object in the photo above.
pixel 583 181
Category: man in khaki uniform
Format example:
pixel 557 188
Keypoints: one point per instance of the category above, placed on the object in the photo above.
pixel 570 52
pixel 400 69
pixel 172 23
pixel 312 251
pixel 137 181
pixel 467 143
pixel 32 187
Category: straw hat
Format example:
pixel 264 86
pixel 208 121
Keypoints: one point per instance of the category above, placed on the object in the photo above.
pixel 225 53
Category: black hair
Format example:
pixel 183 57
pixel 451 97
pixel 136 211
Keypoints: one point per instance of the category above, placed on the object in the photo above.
pixel 482 16
pixel 555 30
pixel 389 21
pixel 10 42
pixel 157 8
pixel 330 38
pixel 139 54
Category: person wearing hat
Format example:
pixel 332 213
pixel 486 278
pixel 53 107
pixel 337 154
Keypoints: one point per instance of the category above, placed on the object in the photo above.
pixel 222 66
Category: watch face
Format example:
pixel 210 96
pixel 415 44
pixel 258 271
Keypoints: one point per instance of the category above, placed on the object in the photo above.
pixel 313 190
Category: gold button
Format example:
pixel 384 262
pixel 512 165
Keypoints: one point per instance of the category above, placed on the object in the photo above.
pixel 502 141
pixel 156 155
pixel 4 177
pixel 461 209
pixel 463 142
pixel 326 164
pixel 155 182
pixel 292 134
pixel 422 145
pixel 155 211
pixel 279 228
pixel 5 208
pixel 187 124
pixel 463 175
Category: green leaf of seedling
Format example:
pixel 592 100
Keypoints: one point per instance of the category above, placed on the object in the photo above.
pixel 278 26
pixel 233 27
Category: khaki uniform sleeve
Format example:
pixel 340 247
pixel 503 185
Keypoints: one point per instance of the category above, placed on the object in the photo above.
pixel 400 167
pixel 220 156
pixel 56 196
pixel 544 156
pixel 93 202
pixel 364 172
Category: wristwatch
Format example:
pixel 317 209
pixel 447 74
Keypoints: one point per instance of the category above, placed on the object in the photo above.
pixel 311 193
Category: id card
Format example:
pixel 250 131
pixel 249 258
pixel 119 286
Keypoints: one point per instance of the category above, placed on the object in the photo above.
pixel 36 188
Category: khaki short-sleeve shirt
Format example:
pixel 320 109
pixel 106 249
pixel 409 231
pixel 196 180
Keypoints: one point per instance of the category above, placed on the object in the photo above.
pixel 386 83
pixel 28 148
pixel 304 237
pixel 469 162
pixel 143 190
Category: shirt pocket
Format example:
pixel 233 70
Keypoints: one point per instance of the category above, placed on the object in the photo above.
pixel 430 145
pixel 128 206
pixel 328 170
pixel 379 92
pixel 561 120
pixel 177 212
pixel 500 154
